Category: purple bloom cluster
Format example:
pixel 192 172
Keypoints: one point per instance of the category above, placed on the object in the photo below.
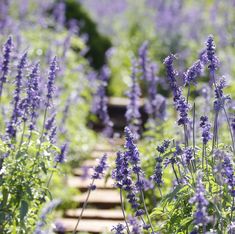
pixel 45 212
pixel 143 60
pixel 179 100
pixel 7 47
pixel 191 75
pixel 17 110
pixel 33 96
pixel 200 216
pixel 156 103
pixel 212 59
pixel 119 229
pixel 157 176
pixel 132 152
pixel 51 80
pixel 228 173
pixel 132 112
pixel 162 148
pixel 100 102
pixel 220 98
pixel 206 126
pixel 123 180
pixel 188 154
pixel 60 158
pixel 233 126
pixel 100 168
pixel 135 225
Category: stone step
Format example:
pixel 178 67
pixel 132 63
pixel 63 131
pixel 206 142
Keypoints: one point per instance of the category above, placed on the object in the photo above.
pixel 86 225
pixel 110 214
pixel 122 102
pixel 99 154
pixel 80 183
pixel 100 198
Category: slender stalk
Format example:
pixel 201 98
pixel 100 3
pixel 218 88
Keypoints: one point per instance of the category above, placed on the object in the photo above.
pixel 49 181
pixel 215 131
pixel 83 207
pixel 231 214
pixel 230 129
pixel 185 136
pixel 175 174
pixel 145 208
pixel 123 212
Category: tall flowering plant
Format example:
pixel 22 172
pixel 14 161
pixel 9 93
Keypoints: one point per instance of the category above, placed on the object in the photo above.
pixel 201 199
pixel 27 150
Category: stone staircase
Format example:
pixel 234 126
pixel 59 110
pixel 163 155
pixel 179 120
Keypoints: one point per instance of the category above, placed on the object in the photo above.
pixel 104 209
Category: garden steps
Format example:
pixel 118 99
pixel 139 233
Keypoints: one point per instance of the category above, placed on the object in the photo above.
pixel 103 209
pixel 89 213
pixel 99 197
pixel 80 183
pixel 88 225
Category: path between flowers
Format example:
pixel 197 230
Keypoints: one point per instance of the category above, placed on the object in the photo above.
pixel 104 208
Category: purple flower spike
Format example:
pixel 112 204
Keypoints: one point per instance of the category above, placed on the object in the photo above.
pixel 200 216
pixel 60 158
pixel 157 176
pixel 17 109
pixel 191 75
pixel 132 112
pixel 206 126
pixel 6 61
pixel 51 80
pixel 119 229
pixel 228 173
pixel 213 60
pixel 143 60
pixel 100 168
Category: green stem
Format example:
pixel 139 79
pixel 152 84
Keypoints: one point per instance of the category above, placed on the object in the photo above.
pixel 123 212
pixel 83 207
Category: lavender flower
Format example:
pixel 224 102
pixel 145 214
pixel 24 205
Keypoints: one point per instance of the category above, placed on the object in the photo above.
pixel 206 126
pixel 100 102
pixel 132 152
pixel 6 61
pixel 43 216
pixel 135 225
pixel 162 148
pixel 171 75
pixel 233 126
pixel 220 98
pixel 179 100
pixel 33 96
pixel 213 60
pixel 49 124
pixel 60 158
pixel 200 216
pixel 228 173
pixel 143 60
pixel 123 180
pixel 100 168
pixel 157 176
pixel 17 111
pixel 191 75
pixel 188 154
pixel 119 229
pixel 132 112
pixel 156 103
pixel 51 80
pixel 182 107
